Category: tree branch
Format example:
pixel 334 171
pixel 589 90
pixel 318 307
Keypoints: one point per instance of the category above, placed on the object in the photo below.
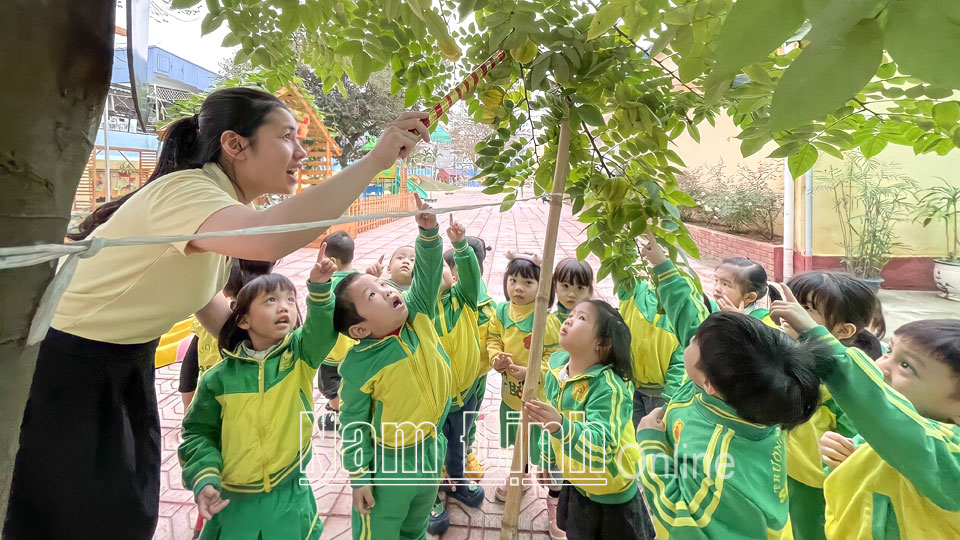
pixel 533 131
pixel 596 149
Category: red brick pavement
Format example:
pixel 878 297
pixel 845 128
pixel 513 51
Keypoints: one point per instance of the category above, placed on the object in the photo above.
pixel 522 228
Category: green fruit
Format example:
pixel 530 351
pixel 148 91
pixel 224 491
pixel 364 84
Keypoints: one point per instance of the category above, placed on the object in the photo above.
pixel 493 97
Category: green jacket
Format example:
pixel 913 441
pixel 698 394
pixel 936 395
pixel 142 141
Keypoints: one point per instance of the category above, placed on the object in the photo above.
pixel 396 390
pixel 457 322
pixel 344 343
pixel 251 420
pixel 711 474
pixel 596 447
pixel 487 310
pixel 904 480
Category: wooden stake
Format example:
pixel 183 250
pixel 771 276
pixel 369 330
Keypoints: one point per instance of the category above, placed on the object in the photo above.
pixel 509 528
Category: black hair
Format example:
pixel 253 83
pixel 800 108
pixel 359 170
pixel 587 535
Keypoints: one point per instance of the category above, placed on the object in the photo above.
pixel 573 271
pixel 940 338
pixel 242 272
pixel 480 249
pixel 764 375
pixel 339 245
pixel 345 311
pixel 842 298
pixel 752 278
pixel 394 254
pixel 525 269
pixel 192 141
pixel 614 336
pixel 231 335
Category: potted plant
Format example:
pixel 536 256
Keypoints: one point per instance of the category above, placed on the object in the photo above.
pixel 942 203
pixel 869 199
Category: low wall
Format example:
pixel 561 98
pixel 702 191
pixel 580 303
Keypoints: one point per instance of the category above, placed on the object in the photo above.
pixel 721 245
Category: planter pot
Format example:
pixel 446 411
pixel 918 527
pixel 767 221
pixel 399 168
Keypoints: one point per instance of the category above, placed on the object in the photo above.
pixel 874 283
pixel 947 276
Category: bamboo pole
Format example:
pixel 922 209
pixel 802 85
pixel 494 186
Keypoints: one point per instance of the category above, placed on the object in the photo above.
pixel 509 528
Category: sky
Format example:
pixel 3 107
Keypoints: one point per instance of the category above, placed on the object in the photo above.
pixel 179 32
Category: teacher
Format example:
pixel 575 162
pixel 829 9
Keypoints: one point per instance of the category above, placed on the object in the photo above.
pixel 89 458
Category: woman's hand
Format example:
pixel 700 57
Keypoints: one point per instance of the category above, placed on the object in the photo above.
pixel 544 414
pixel 835 448
pixel 399 139
pixel 325 267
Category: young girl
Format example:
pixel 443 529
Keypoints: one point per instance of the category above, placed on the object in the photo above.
pixel 740 284
pixel 746 382
pixel 846 306
pixel 241 145
pixel 588 416
pixel 573 283
pixel 246 437
pixel 508 345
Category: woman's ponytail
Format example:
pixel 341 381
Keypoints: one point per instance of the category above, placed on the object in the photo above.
pixel 179 152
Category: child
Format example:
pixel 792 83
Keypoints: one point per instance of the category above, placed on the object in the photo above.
pixel 845 305
pixel 588 416
pixel 508 344
pixel 573 283
pixel 246 437
pixel 459 332
pixel 400 268
pixel 340 249
pixel 740 284
pixel 203 352
pixel 395 394
pixel 901 481
pixel 746 382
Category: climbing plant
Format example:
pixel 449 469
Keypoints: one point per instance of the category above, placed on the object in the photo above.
pixel 814 76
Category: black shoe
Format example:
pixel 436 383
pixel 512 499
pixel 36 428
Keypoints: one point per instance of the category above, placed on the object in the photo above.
pixel 329 419
pixel 439 520
pixel 467 492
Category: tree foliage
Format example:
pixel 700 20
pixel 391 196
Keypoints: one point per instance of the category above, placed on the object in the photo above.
pixel 633 75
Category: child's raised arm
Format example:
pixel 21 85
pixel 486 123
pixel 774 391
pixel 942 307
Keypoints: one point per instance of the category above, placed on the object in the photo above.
pixel 684 308
pixel 428 267
pixel 317 336
pixel 467 288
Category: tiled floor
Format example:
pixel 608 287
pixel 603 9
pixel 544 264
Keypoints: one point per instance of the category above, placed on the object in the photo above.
pixel 522 228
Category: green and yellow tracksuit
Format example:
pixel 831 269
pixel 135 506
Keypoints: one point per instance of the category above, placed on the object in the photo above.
pixel 596 447
pixel 248 432
pixel 510 332
pixel 805 471
pixel 710 474
pixel 657 354
pixel 903 481
pixel 394 396
pixel 457 323
pixel 487 310
pixel 397 286
pixel 560 314
pixel 762 315
pixel 344 343
pixel 208 353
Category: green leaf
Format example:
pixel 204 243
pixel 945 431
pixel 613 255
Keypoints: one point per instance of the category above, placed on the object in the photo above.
pixel 210 23
pixel 583 251
pixel 687 244
pixel 918 32
pixel 752 145
pixel 230 40
pixel 183 4
pixel 826 76
pixel 663 40
pixel 886 71
pixel 828 148
pixel 680 16
pixel 837 18
pixel 787 149
pixel 410 96
pixel 872 146
pixel 508 202
pixel 803 160
pixel 590 114
pixel 946 114
pixel 752 30
pixel 606 16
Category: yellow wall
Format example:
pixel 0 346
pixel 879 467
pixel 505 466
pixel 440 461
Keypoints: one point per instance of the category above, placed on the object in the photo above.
pixel 719 145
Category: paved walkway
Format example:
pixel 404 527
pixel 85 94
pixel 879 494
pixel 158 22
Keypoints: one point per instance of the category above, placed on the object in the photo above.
pixel 520 229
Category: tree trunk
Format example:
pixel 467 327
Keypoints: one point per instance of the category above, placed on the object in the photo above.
pixel 56 65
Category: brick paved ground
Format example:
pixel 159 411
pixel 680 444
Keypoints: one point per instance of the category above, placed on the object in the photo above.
pixel 522 228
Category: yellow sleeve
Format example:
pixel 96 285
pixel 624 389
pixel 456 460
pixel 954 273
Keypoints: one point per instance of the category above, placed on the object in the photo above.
pixel 182 203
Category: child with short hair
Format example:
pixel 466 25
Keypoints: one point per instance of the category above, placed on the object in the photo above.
pixel 400 268
pixel 573 283
pixel 508 344
pixel 740 284
pixel 243 462
pixel 901 480
pixel 746 383
pixel 340 248
pixel 591 436
pixel 395 393
pixel 847 306
pixel 459 331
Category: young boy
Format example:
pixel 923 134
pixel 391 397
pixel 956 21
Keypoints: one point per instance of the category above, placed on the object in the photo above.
pixel 459 331
pixel 901 480
pixel 395 394
pixel 340 249
pixel 400 268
